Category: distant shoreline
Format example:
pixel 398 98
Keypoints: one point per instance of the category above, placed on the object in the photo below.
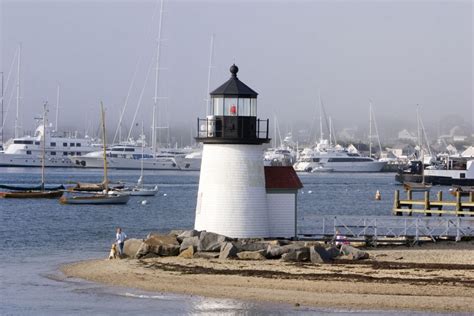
pixel 433 277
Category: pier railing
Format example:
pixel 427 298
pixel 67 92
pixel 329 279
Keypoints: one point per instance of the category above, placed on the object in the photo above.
pixel 380 229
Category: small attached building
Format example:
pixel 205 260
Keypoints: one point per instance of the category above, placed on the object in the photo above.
pixel 282 185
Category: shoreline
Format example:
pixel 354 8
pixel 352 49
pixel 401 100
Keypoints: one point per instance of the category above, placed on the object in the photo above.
pixel 431 277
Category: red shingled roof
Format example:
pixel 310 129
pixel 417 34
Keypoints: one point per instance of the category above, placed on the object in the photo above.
pixel 282 178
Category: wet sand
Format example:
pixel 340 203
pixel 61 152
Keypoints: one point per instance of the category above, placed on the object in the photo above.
pixel 432 277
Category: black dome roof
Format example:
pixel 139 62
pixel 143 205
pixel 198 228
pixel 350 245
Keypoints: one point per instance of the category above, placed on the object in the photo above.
pixel 234 87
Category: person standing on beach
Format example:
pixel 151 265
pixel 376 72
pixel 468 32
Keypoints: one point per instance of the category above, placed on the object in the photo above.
pixel 120 238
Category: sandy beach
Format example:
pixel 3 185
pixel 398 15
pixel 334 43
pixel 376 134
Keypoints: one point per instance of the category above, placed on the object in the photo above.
pixel 431 277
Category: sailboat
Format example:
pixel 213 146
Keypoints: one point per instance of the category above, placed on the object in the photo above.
pixel 419 186
pixel 105 197
pixel 35 192
pixel 140 189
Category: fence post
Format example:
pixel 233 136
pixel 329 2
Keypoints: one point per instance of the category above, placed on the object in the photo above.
pixel 440 199
pixel 458 204
pixel 458 232
pixel 427 203
pixel 396 203
pixel 417 235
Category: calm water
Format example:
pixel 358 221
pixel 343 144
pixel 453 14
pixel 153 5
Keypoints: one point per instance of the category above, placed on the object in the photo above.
pixel 40 235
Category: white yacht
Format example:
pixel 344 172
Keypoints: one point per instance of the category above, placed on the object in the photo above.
pixel 336 159
pixel 127 156
pixel 26 151
pixel 282 156
pixel 191 161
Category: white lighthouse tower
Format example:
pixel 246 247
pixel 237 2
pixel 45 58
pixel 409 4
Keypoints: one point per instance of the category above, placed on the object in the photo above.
pixel 232 198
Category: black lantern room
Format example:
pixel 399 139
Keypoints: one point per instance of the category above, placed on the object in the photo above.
pixel 233 115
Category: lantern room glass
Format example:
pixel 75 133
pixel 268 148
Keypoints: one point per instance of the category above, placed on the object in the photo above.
pixel 231 106
pixel 217 106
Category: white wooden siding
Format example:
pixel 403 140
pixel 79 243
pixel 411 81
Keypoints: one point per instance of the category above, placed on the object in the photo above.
pixel 232 199
pixel 281 213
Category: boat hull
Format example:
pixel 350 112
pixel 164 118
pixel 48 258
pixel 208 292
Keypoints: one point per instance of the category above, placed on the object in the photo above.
pixel 96 199
pixel 435 180
pixel 375 166
pixel 125 163
pixel 19 160
pixel 143 192
pixel 32 195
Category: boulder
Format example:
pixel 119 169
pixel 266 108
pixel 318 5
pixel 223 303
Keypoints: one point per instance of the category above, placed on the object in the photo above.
pixel 131 247
pixel 228 250
pixel 188 253
pixel 210 241
pixel 319 254
pixel 176 232
pixel 253 245
pixel 353 253
pixel 188 233
pixel 143 251
pixel 251 255
pixel 297 254
pixel 276 252
pixel 206 255
pixel 156 240
pixel 189 241
pixel 161 245
pixel 166 250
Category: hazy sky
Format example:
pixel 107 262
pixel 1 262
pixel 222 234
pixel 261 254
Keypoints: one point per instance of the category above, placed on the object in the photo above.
pixel 397 53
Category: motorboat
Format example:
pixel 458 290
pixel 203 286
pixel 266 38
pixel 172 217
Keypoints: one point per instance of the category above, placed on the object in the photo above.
pixel 127 156
pixel 190 162
pixel 453 171
pixel 34 192
pixel 26 151
pixel 336 158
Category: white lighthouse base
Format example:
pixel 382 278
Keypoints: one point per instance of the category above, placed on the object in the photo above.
pixel 232 199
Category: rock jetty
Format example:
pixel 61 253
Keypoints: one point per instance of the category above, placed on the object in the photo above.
pixel 202 244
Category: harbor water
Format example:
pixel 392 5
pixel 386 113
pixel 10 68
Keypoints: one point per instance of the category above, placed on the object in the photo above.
pixel 40 235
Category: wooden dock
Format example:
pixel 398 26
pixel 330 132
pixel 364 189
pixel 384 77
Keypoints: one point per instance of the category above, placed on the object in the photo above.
pixel 428 207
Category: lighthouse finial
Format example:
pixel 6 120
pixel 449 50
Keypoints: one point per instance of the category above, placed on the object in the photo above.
pixel 234 70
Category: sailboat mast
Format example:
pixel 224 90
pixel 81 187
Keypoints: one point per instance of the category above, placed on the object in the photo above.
pixel 376 130
pixel 43 151
pixel 143 147
pixel 209 71
pixel 330 131
pixel 17 132
pixel 420 143
pixel 57 108
pixel 2 106
pixel 157 77
pixel 370 129
pixel 320 118
pixel 104 144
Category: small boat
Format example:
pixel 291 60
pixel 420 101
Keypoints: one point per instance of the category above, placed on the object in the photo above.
pixel 31 195
pixel 31 188
pixel 34 192
pixel 417 187
pixel 140 189
pixel 105 197
pixel 96 199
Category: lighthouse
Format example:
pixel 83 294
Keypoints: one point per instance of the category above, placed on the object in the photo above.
pixel 232 197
